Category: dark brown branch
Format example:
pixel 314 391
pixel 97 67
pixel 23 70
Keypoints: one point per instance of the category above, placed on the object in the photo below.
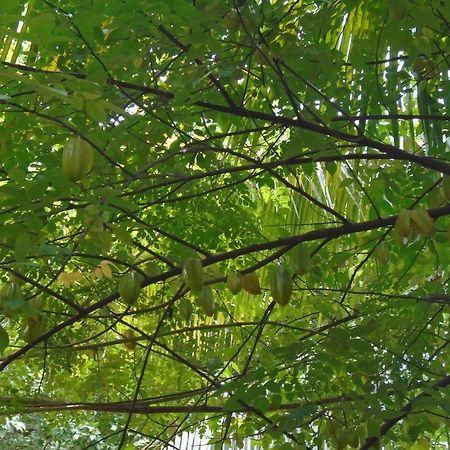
pixel 388 424
pixel 211 77
pixel 324 233
pixel 388 149
pixel 205 328
pixel 143 406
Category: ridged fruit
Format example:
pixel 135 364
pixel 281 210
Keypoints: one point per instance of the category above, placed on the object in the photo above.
pixel 32 330
pixel 152 269
pixel 193 273
pixel 77 159
pixel 425 67
pixel 281 285
pixel 250 283
pixel 402 225
pixel 206 300
pixel 301 259
pixel 35 308
pixel 9 291
pixel 186 309
pixel 130 343
pixel 382 254
pixel 422 222
pixel 234 282
pixel 420 64
pixel 232 20
pixel 130 287
pixel 37 303
pixel 93 220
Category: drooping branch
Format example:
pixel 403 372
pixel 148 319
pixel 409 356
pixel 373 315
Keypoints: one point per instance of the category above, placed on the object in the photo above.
pixel 324 233
pixel 388 149
pixel 388 424
pixel 145 407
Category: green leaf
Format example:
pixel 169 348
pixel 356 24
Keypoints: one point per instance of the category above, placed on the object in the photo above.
pixel 95 110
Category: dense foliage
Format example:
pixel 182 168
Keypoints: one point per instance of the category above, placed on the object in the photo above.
pixel 149 149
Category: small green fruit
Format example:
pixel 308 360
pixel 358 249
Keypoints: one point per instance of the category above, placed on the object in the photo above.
pixel 250 283
pixel 77 159
pixel 281 285
pixel 33 329
pixel 206 300
pixel 186 309
pixel 193 273
pixel 130 287
pixel 130 343
pixel 301 259
pixel 234 282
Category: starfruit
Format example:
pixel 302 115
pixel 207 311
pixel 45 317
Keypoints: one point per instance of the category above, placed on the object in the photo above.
pixel 382 254
pixel 152 269
pixel 301 259
pixel 250 283
pixel 93 220
pixel 130 342
pixel 402 225
pixel 77 159
pixel 281 285
pixel 193 273
pixel 186 309
pixel 33 329
pixel 422 222
pixel 34 308
pixel 234 282
pixel 11 299
pixel 206 300
pixel 130 287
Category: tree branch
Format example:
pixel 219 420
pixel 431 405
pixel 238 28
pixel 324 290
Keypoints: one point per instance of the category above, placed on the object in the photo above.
pixel 388 149
pixel 324 233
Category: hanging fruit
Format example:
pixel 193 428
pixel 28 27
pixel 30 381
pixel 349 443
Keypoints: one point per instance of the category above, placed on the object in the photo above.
pixel 77 159
pixel 382 254
pixel 301 259
pixel 206 300
pixel 130 342
pixel 152 269
pixel 33 329
pixel 10 296
pixel 250 283
pixel 130 287
pixel 33 319
pixel 186 309
pixel 402 225
pixel 422 222
pixel 193 273
pixel 93 220
pixel 281 285
pixel 234 282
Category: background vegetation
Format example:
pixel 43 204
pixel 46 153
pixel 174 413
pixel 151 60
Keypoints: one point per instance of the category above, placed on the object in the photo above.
pixel 249 134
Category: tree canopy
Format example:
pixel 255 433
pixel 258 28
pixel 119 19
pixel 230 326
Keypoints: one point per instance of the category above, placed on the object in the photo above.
pixel 228 218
